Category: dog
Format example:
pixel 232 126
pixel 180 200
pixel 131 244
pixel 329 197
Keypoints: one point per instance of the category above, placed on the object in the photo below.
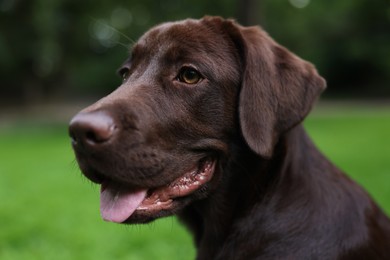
pixel 207 125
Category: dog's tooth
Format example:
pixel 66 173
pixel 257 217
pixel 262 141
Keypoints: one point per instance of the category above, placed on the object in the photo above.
pixel 156 197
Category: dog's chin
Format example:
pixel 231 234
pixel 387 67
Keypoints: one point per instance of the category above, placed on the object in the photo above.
pixel 146 215
pixel 121 203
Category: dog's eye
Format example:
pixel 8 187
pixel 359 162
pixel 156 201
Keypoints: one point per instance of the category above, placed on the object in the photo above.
pixel 124 73
pixel 189 75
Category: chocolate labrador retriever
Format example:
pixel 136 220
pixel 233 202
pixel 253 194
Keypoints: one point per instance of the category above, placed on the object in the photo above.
pixel 207 125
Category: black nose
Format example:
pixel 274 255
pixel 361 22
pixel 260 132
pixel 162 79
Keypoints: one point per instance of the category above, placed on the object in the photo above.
pixel 91 129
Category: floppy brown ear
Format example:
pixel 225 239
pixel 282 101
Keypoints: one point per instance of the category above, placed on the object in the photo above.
pixel 278 90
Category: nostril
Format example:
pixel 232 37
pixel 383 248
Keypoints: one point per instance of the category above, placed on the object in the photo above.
pixel 99 135
pixel 91 128
pixel 72 137
pixel 92 136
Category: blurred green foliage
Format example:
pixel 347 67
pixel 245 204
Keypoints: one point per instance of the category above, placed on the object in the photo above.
pixel 69 48
pixel 347 40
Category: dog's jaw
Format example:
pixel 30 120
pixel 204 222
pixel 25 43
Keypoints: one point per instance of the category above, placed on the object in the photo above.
pixel 122 204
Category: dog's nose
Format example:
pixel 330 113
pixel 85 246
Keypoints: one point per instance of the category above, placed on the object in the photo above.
pixel 91 128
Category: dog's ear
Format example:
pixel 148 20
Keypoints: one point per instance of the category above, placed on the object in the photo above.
pixel 278 89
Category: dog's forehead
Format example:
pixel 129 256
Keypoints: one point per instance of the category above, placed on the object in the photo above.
pixel 195 42
pixel 188 33
pixel 167 30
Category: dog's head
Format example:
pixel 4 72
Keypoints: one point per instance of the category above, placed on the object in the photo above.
pixel 189 89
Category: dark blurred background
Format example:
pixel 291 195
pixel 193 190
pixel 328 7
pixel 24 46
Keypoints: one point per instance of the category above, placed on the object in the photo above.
pixel 58 56
pixel 70 49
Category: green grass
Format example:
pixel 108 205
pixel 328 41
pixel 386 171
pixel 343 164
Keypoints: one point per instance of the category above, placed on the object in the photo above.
pixel 357 141
pixel 49 211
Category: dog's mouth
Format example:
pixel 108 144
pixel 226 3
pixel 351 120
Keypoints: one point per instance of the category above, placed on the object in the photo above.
pixel 118 202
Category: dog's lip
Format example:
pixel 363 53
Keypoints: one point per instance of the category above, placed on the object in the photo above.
pixel 161 198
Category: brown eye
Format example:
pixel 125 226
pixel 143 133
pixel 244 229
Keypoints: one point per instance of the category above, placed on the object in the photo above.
pixel 189 76
pixel 124 73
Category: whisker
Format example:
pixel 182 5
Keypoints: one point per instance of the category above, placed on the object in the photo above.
pixel 128 38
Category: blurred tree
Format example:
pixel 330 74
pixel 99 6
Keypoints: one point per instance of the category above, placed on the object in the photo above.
pixel 68 48
pixel 250 12
pixel 348 41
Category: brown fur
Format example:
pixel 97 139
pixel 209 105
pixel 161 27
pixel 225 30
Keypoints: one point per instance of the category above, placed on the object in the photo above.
pixel 273 195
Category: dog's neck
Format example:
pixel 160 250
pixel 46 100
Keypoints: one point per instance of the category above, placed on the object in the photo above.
pixel 269 198
pixel 211 220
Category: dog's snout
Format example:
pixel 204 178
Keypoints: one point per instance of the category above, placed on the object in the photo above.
pixel 91 128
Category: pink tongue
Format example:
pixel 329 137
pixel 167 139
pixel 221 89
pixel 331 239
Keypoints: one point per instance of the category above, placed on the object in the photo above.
pixel 118 203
